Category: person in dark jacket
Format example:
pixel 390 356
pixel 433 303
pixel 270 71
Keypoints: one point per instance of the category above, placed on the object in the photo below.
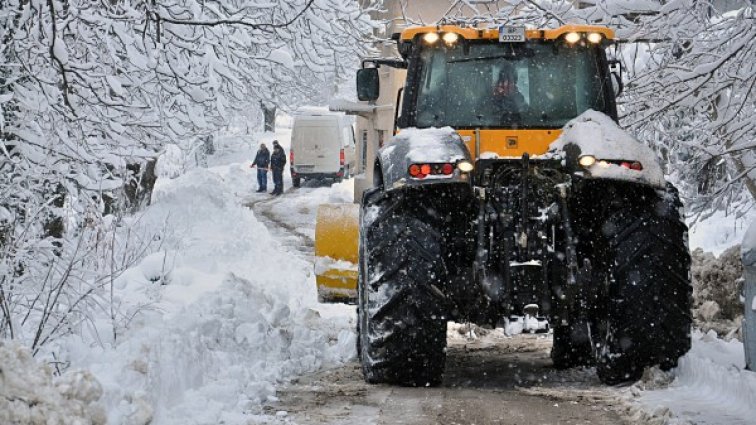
pixel 508 102
pixel 277 162
pixel 262 161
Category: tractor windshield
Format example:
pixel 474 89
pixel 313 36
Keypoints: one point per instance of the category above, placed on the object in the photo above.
pixel 490 85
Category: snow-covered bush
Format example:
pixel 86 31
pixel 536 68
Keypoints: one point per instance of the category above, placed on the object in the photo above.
pixel 53 287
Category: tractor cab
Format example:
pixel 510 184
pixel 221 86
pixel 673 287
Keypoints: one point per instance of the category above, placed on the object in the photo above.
pixel 518 87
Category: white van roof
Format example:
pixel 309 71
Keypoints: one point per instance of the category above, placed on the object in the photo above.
pixel 342 120
pixel 315 111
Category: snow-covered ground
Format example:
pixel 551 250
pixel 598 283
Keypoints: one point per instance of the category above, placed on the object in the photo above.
pixel 224 314
pixel 709 386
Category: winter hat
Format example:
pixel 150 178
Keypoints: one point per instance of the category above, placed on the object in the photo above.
pixel 275 143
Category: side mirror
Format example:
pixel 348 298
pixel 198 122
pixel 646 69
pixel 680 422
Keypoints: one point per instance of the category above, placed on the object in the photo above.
pixel 367 84
pixel 615 74
pixel 617 85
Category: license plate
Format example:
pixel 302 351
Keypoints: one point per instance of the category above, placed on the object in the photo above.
pixel 305 167
pixel 509 34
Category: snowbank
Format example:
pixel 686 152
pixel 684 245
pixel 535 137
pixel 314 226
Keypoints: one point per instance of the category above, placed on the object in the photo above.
pixel 30 396
pixel 221 316
pixel 717 289
pixel 710 385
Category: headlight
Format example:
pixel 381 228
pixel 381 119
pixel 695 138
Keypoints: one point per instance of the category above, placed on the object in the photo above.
pixel 450 38
pixel 465 166
pixel 587 160
pixel 595 37
pixel 431 37
pixel 572 37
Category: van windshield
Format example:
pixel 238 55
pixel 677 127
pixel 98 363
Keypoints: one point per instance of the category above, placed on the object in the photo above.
pixel 491 85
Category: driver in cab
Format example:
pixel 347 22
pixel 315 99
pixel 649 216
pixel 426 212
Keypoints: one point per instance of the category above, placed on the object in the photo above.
pixel 507 100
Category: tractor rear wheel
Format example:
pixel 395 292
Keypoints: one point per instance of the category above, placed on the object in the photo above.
pixel 402 329
pixel 649 296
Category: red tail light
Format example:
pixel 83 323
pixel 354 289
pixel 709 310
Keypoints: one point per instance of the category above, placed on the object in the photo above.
pixel 416 172
pixel 291 156
pixel 421 171
pixel 632 165
pixel 341 157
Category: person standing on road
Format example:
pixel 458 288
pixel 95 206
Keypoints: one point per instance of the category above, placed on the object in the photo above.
pixel 277 163
pixel 262 161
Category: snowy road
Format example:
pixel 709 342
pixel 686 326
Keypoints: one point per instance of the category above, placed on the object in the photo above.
pixel 488 381
pixel 491 379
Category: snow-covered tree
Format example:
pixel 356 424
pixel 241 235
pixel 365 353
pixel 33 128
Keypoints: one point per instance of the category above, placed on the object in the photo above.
pixel 91 90
pixel 693 94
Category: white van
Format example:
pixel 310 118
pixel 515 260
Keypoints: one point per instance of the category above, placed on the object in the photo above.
pixel 322 146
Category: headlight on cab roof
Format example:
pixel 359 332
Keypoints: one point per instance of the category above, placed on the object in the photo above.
pixel 431 37
pixel 572 37
pixel 450 38
pixel 594 37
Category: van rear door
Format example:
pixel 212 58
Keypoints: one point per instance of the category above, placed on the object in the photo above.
pixel 316 144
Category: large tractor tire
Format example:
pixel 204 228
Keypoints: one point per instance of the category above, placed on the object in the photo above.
pixel 649 295
pixel 572 345
pixel 402 329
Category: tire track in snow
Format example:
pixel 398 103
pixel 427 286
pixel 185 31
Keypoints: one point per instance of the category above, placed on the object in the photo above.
pixel 284 232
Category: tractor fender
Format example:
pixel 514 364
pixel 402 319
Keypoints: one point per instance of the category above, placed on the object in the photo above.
pixel 595 134
pixel 421 146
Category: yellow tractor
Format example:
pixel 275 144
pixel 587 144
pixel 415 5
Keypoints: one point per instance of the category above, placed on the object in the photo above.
pixel 508 183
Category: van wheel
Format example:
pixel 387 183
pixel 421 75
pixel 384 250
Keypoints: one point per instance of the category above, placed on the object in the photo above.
pixel 296 181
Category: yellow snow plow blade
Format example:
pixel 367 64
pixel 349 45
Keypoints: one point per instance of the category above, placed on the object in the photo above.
pixel 336 242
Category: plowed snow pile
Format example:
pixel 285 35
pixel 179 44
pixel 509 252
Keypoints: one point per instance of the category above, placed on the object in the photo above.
pixel 221 316
pixel 30 396
pixel 709 386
